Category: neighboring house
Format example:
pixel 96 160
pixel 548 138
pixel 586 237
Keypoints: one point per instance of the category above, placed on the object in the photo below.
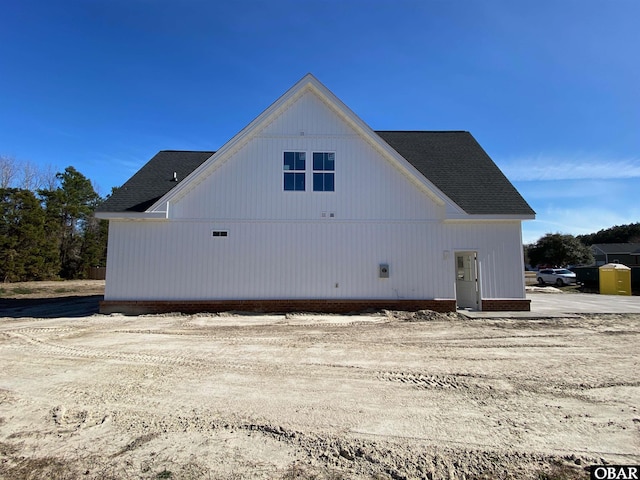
pixel 625 253
pixel 309 209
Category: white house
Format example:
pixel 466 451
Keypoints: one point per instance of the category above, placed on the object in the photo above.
pixel 307 208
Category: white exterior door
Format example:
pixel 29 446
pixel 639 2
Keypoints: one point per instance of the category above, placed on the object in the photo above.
pixel 467 291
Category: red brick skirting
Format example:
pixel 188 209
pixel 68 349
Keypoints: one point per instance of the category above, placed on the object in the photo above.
pixel 129 307
pixel 506 305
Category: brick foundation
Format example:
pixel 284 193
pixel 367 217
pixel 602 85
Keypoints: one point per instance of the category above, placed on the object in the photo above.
pixel 506 305
pixel 141 307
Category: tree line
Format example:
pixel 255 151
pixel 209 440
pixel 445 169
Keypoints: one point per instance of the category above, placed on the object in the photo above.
pixel 618 234
pixel 47 226
pixel 562 249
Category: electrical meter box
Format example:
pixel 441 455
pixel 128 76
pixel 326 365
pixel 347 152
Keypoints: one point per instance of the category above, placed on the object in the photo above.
pixel 384 270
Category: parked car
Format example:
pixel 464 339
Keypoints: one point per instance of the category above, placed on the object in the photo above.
pixel 559 276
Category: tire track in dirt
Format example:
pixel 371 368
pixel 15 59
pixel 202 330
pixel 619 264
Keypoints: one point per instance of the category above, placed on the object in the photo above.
pixel 419 380
pixel 423 381
pixel 56 349
pixel 210 360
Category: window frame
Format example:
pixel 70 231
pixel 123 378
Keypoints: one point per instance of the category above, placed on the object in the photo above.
pixel 296 172
pixel 323 171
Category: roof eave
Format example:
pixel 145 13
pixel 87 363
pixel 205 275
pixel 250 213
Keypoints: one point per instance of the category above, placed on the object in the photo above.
pixel 131 215
pixel 236 141
pixel 489 218
pixel 382 146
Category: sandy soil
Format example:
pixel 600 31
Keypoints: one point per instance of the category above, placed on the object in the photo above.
pixel 390 395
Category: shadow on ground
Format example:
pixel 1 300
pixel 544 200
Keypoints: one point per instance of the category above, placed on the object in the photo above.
pixel 73 306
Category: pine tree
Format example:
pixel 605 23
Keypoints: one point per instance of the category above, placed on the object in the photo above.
pixel 93 252
pixel 69 210
pixel 24 244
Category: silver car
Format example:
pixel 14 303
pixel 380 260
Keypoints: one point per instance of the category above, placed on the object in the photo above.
pixel 559 276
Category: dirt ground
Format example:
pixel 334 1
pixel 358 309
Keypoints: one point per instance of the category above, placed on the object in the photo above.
pixel 384 395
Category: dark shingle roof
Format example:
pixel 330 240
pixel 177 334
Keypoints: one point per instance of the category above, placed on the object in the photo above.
pixel 453 161
pixel 153 180
pixel 456 164
pixel 611 248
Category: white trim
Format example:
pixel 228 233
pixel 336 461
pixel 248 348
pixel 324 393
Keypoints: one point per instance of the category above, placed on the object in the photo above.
pixel 313 171
pixel 307 83
pixel 524 280
pixel 487 218
pixel 233 145
pixel 462 219
pixel 303 171
pixel 397 160
pixel 131 215
pixel 310 221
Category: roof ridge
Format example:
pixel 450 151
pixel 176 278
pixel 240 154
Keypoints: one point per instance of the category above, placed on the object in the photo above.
pixel 189 151
pixel 617 243
pixel 423 131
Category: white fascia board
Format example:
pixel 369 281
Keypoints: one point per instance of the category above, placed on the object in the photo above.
pixel 381 146
pixel 240 139
pixel 488 218
pixel 131 215
pixel 312 83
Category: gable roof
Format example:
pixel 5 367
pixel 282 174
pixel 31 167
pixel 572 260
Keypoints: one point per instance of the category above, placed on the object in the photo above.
pixel 307 84
pixel 453 161
pixel 456 164
pixel 153 180
pixel 450 167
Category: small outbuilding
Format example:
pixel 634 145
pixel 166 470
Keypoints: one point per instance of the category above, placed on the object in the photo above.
pixel 615 279
pixel 308 208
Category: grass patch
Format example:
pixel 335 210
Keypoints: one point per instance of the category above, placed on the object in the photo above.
pixel 23 290
pixel 31 468
pixel 50 288
pixel 296 471
pixel 15 466
pixel 563 471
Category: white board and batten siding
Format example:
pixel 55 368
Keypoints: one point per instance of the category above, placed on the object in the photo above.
pixel 287 244
pixel 274 260
pixel 249 186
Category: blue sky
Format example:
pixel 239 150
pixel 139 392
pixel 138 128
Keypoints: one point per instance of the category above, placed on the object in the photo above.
pixel 550 89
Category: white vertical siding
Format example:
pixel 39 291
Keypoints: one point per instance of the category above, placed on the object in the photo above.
pixel 258 260
pixel 250 184
pixel 279 245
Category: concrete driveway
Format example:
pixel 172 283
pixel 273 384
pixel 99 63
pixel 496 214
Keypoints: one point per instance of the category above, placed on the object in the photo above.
pixel 556 303
pixel 549 305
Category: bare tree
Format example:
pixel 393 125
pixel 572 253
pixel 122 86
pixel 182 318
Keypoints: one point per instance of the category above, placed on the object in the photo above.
pixel 96 188
pixel 48 178
pixel 8 171
pixel 31 177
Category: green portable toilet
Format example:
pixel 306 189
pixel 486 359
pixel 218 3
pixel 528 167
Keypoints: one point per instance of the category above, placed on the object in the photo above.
pixel 615 279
